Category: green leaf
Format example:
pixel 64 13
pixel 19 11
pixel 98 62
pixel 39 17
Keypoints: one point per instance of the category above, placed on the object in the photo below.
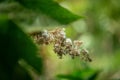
pixel 21 73
pixel 69 77
pixel 94 75
pixel 50 8
pixel 1 0
pixel 83 74
pixel 16 45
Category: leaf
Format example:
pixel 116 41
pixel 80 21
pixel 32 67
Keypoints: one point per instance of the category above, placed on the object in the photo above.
pixel 50 8
pixel 94 75
pixel 21 73
pixel 1 0
pixel 83 74
pixel 69 77
pixel 16 45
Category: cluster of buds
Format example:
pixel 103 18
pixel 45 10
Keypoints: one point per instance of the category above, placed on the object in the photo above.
pixel 62 45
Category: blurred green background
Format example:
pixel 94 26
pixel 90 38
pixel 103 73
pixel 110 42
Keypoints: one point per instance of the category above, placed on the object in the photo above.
pixel 95 22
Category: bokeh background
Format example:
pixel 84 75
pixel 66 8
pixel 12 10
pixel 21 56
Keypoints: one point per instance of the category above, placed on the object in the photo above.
pixel 98 28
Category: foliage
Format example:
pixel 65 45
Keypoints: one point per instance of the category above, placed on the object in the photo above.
pixel 50 8
pixel 84 74
pixel 22 60
pixel 16 45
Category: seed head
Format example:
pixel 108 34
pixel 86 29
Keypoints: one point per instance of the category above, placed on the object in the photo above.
pixel 62 45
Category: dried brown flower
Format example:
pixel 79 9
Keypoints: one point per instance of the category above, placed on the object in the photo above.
pixel 62 45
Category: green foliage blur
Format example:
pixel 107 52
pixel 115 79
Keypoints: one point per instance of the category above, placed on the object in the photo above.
pixel 95 22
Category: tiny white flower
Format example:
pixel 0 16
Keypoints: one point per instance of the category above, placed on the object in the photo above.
pixel 45 31
pixel 62 33
pixel 56 45
pixel 45 34
pixel 64 36
pixel 77 43
pixel 68 41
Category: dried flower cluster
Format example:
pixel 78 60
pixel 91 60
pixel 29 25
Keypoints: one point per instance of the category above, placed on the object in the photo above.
pixel 62 45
